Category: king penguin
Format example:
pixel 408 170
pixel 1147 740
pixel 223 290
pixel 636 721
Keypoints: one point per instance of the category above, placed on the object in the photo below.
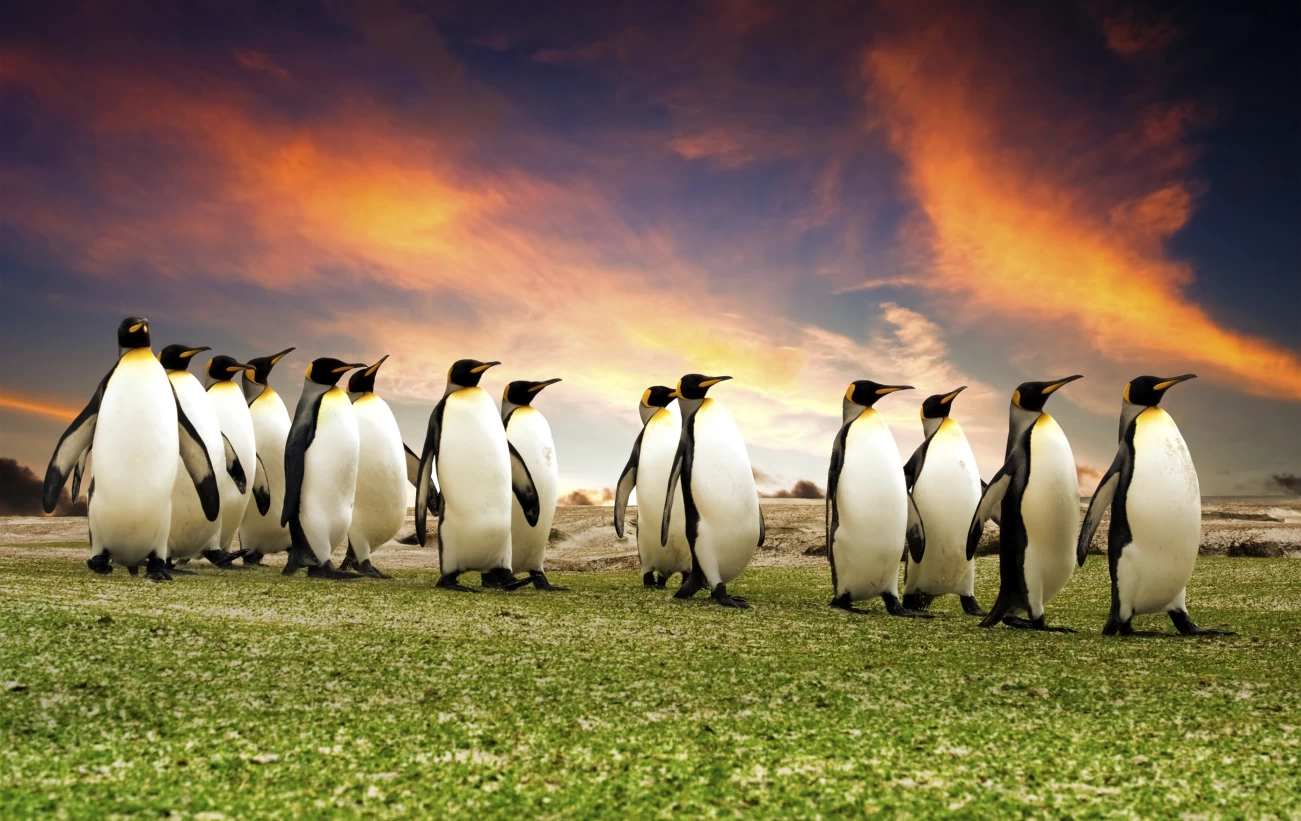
pixel 136 427
pixel 870 514
pixel 1039 494
pixel 380 505
pixel 720 503
pixel 1156 513
pixel 478 469
pixel 945 486
pixel 261 532
pixel 529 434
pixel 647 471
pixel 237 426
pixel 191 533
pixel 321 458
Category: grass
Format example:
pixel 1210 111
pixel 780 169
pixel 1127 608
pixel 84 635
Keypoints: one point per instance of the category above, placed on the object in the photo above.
pixel 246 694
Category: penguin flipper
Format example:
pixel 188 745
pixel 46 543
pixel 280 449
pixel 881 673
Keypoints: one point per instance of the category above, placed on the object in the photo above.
pixel 1099 503
pixel 261 488
pixel 194 455
pixel 997 516
pixel 679 461
pixel 833 483
pixel 427 494
pixel 79 473
pixel 763 528
pixel 233 466
pixel 73 444
pixel 301 435
pixel 413 475
pixel 627 483
pixel 916 533
pixel 913 468
pixel 989 500
pixel 521 481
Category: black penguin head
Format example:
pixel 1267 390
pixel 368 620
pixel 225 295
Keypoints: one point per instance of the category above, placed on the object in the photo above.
pixel 177 357
pixel 939 405
pixel 259 368
pixel 523 391
pixel 328 370
pixel 657 396
pixel 364 381
pixel 865 392
pixel 694 386
pixel 466 373
pixel 133 333
pixel 1148 390
pixel 1032 396
pixel 222 368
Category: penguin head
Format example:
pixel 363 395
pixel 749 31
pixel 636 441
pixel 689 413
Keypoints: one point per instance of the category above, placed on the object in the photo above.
pixel 177 357
pixel 1148 390
pixel 939 405
pixel 259 368
pixel 522 392
pixel 865 392
pixel 222 368
pixel 657 396
pixel 133 333
pixel 1032 396
pixel 694 386
pixel 364 381
pixel 328 371
pixel 466 373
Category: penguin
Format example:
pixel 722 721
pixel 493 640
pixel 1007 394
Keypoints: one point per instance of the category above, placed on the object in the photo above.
pixel 380 505
pixel 478 469
pixel 136 426
pixel 260 532
pixel 1039 494
pixel 723 522
pixel 191 533
pixel 1156 513
pixel 945 485
pixel 647 472
pixel 528 432
pixel 870 514
pixel 321 457
pixel 237 426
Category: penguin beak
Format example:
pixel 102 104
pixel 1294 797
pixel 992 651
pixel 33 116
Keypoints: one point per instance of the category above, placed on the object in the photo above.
pixel 712 381
pixel 674 394
pixel 354 365
pixel 1054 386
pixel 1172 381
pixel 893 388
pixel 371 370
pixel 192 351
pixel 485 366
pixel 947 399
pixel 537 386
pixel 275 358
pixel 236 368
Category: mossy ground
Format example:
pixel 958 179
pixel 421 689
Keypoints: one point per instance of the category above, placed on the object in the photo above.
pixel 244 694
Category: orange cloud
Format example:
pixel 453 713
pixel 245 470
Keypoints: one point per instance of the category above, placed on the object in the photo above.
pixel 38 406
pixel 1050 221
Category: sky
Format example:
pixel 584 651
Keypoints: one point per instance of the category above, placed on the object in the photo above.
pixel 618 193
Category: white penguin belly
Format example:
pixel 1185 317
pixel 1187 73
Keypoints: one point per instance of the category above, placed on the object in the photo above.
pixel 380 503
pixel 872 511
pixel 136 451
pixel 659 445
pixel 531 436
pixel 946 494
pixel 1050 510
pixel 236 424
pixel 1164 509
pixel 330 475
pixel 271 423
pixel 722 488
pixel 191 533
pixel 474 476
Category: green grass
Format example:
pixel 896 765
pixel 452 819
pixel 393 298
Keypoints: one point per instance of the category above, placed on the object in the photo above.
pixel 246 694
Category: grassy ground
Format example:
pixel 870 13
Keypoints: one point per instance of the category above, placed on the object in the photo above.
pixel 246 694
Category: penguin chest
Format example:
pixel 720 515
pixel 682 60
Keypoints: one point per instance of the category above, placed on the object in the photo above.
pixel 474 477
pixel 871 509
pixel 659 446
pixel 1050 510
pixel 1164 511
pixel 530 434
pixel 380 504
pixel 723 491
pixel 946 494
pixel 191 532
pixel 330 464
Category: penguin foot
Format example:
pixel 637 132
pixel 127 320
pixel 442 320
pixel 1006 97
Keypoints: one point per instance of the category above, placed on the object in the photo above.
pixel 720 596
pixel 917 601
pixel 155 569
pixel 369 570
pixel 99 564
pixel 895 608
pixel 1037 624
pixel 349 560
pixel 842 602
pixel 298 557
pixel 540 581
pixel 222 559
pixel 1186 627
pixel 447 581
pixel 648 580
pixel 252 558
pixel 176 571
pixel 661 582
pixel 969 606
pixel 693 584
pixel 134 569
pixel 500 578
pixel 329 571
pixel 685 575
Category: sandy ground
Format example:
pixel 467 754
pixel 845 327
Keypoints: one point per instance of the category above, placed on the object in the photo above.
pixel 583 539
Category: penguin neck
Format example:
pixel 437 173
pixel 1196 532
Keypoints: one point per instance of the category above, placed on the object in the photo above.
pixel 356 396
pixel 646 414
pixel 1128 413
pixel 849 411
pixel 1019 421
pixel 507 408
pixel 930 426
pixel 689 407
pixel 252 390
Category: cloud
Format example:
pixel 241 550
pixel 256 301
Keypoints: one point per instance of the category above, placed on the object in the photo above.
pixel 585 498
pixel 1129 36
pixel 37 405
pixel 1087 475
pixel 1287 482
pixel 20 493
pixel 802 489
pixel 760 476
pixel 257 61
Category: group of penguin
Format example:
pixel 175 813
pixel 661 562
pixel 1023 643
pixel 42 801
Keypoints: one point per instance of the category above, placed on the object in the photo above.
pixel 180 469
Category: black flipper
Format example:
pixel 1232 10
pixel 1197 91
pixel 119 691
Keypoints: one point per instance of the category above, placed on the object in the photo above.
pixel 301 435
pixel 763 528
pixel 426 493
pixel 916 533
pixel 627 483
pixel 74 442
pixel 413 476
pixel 261 488
pixel 521 481
pixel 233 465
pixel 1100 502
pixel 989 500
pixel 833 514
pixel 194 455
pixel 679 462
pixel 913 467
pixel 78 474
pixel 997 516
